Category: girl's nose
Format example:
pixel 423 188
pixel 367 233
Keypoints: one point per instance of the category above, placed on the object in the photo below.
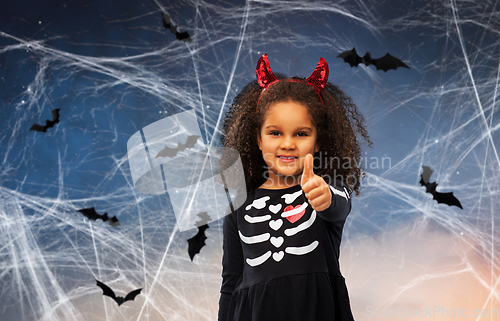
pixel 287 143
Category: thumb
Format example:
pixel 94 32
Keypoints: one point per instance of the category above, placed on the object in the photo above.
pixel 307 173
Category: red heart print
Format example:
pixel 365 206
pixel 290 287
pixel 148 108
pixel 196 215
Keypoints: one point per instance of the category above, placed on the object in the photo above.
pixel 296 217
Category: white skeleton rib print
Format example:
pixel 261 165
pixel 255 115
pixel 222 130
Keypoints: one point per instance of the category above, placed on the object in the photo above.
pixel 290 213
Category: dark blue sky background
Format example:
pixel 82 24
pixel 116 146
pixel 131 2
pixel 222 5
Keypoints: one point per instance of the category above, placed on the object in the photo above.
pixel 112 69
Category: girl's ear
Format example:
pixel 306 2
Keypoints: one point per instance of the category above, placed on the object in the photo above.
pixel 259 141
pixel 316 149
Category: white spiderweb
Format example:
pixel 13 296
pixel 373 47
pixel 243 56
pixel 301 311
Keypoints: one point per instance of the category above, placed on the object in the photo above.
pixel 400 247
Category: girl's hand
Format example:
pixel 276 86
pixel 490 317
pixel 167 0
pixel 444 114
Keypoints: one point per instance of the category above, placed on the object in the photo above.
pixel 316 189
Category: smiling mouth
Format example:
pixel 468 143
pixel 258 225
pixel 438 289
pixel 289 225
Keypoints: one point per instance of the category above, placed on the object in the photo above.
pixel 287 160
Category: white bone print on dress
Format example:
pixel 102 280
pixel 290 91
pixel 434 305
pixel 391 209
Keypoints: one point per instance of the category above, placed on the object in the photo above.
pixel 277 256
pixel 295 210
pixel 289 198
pixel 257 219
pixel 303 226
pixel 259 260
pixel 275 208
pixel 259 203
pixel 278 241
pixel 276 224
pixel 344 194
pixel 301 250
pixel 293 213
pixel 254 239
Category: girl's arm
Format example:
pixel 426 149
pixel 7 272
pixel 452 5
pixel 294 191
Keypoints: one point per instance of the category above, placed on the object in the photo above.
pixel 341 203
pixel 232 263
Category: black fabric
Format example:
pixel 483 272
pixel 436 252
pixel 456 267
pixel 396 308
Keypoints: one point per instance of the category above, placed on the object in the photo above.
pixel 224 301
pixel 284 268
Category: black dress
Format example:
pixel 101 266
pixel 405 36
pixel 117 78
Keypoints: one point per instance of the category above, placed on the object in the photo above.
pixel 280 258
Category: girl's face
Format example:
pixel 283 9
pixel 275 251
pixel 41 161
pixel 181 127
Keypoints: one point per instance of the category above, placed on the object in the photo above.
pixel 287 131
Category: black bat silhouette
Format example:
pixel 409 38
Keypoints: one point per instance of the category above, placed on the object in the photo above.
pixel 106 290
pixel 48 123
pixel 91 214
pixel 183 36
pixel 171 152
pixel 204 219
pixel 197 241
pixel 446 198
pixel 385 63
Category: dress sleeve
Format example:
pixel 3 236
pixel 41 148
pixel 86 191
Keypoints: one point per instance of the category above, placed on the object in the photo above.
pixel 232 263
pixel 340 206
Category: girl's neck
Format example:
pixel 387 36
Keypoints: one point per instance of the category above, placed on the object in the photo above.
pixel 270 185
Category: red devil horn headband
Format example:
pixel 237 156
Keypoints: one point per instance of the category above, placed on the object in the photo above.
pixel 266 78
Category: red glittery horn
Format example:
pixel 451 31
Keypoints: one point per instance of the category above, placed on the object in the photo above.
pixel 266 78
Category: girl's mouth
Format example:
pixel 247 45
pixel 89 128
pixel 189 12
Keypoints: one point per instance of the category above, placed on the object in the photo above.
pixel 287 159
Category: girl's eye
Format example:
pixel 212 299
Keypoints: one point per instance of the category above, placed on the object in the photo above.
pixel 300 134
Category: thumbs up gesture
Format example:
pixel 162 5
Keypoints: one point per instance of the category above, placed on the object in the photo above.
pixel 315 188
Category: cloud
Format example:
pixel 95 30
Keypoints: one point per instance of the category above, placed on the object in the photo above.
pixel 426 273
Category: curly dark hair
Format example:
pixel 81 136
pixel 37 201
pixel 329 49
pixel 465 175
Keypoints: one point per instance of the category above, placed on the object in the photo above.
pixel 338 125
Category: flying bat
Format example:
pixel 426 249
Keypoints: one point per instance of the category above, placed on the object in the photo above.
pixel 447 198
pixel 171 152
pixel 91 214
pixel 183 36
pixel 385 63
pixel 106 290
pixel 204 219
pixel 197 241
pixel 48 123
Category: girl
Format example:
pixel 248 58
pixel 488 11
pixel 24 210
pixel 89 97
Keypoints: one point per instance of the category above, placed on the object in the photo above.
pixel 281 246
